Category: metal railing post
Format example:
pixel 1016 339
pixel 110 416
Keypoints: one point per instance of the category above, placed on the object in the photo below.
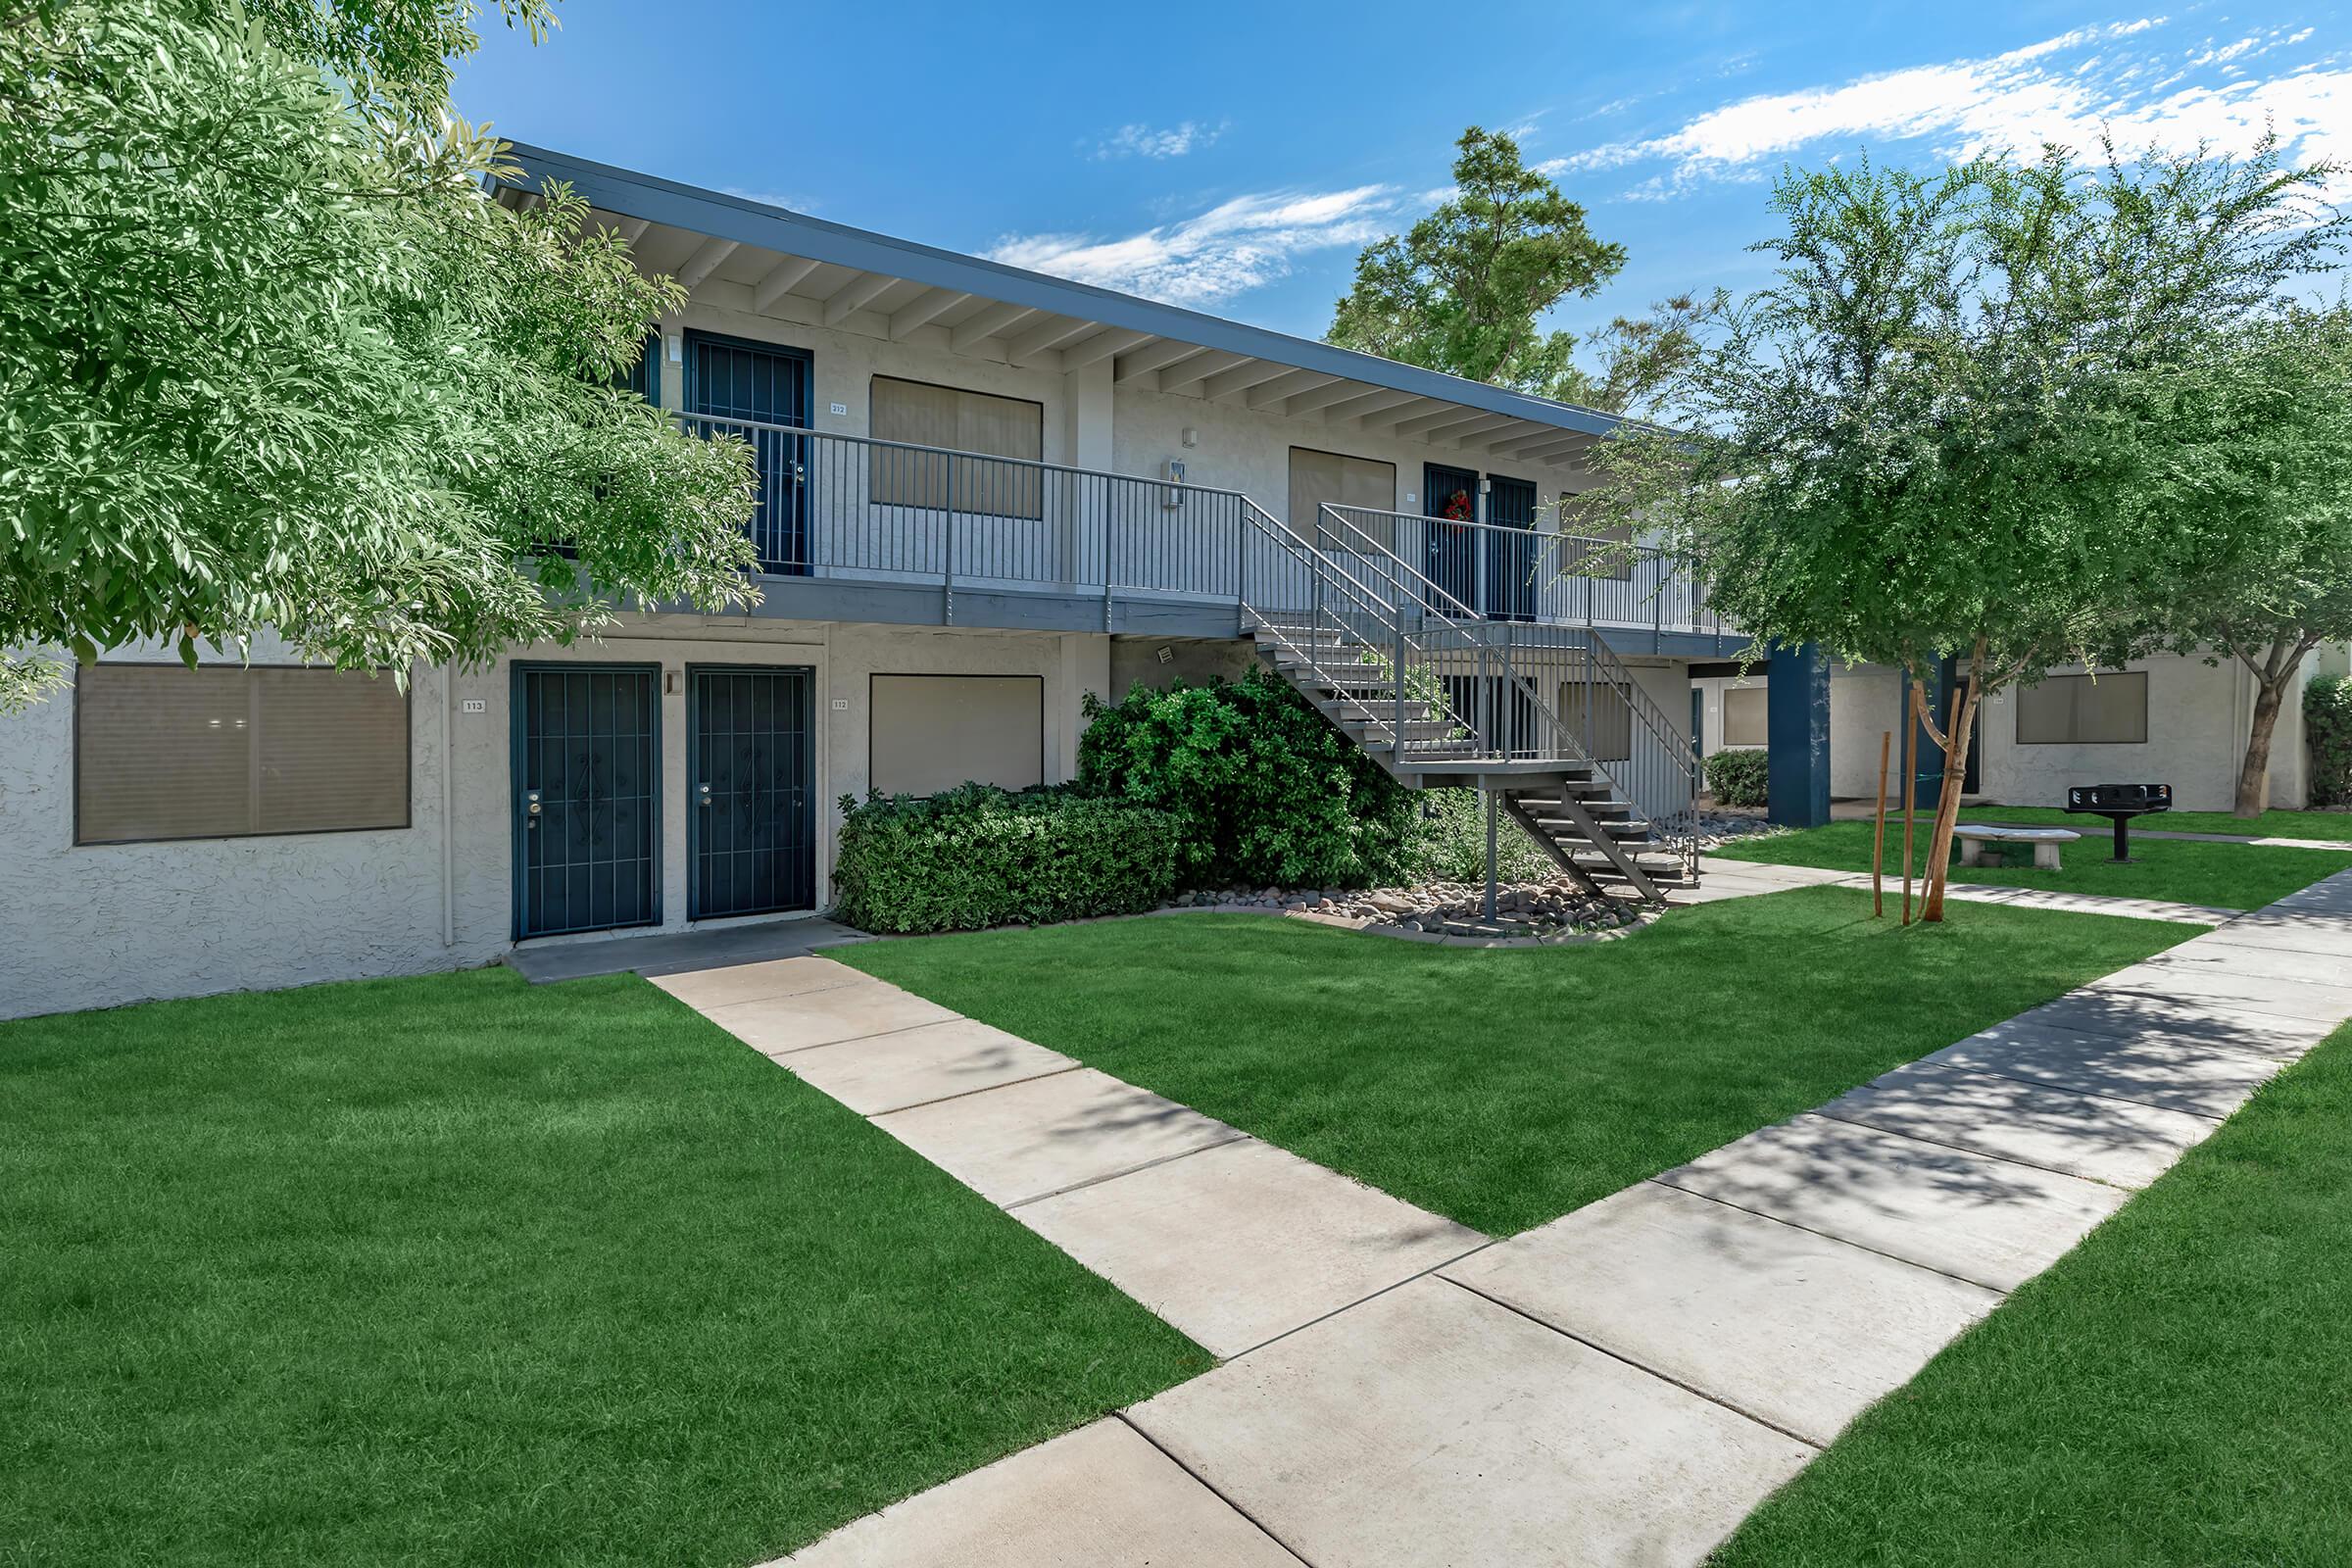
pixel 1397 697
pixel 947 578
pixel 1109 576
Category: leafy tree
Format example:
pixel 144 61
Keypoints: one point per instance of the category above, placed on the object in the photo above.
pixel 1642 358
pixel 1942 430
pixel 2255 561
pixel 273 357
pixel 1461 290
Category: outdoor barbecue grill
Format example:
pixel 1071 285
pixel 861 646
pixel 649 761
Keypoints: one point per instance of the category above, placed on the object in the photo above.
pixel 2120 803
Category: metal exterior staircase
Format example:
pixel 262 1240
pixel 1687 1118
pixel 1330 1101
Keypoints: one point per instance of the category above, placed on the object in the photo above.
pixel 1440 695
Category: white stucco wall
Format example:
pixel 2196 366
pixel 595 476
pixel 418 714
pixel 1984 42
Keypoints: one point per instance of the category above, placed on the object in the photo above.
pixel 2199 716
pixel 96 925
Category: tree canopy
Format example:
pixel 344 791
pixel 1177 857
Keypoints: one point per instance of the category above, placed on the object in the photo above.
pixel 2251 559
pixel 1462 289
pixel 271 357
pixel 1946 427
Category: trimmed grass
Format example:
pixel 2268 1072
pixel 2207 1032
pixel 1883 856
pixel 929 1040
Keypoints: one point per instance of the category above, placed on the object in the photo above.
pixel 2226 876
pixel 465 1270
pixel 2171 1394
pixel 1506 1086
pixel 2335 825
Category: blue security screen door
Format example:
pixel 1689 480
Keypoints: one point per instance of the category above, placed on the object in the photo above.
pixel 767 385
pixel 1452 564
pixel 1511 560
pixel 751 786
pixel 587 772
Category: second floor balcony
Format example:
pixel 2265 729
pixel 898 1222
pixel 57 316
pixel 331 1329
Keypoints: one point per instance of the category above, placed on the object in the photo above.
pixel 854 528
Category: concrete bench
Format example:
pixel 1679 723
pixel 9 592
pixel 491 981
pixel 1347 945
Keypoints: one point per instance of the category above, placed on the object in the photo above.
pixel 1976 842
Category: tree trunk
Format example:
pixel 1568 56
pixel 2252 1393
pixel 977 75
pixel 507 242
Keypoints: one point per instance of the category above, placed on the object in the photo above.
pixel 2270 696
pixel 1947 804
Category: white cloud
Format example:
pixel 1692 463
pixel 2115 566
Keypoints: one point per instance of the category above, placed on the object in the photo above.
pixel 1233 247
pixel 2018 100
pixel 1147 141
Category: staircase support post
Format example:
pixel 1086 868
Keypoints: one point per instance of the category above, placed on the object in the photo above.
pixel 1493 821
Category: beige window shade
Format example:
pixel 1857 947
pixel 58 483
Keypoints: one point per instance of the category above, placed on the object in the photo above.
pixel 2078 711
pixel 1601 553
pixel 1746 716
pixel 164 752
pixel 933 732
pixel 1331 478
pixel 919 413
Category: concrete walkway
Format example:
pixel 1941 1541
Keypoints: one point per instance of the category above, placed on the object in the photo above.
pixel 1620 1386
pixel 1738 879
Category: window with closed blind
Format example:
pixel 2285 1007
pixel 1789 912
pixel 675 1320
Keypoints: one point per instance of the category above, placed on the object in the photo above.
pixel 2108 710
pixel 166 752
pixel 925 415
pixel 1331 478
pixel 1746 716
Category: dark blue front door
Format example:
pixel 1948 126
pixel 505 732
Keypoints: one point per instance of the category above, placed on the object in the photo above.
pixel 731 380
pixel 587 772
pixel 752 779
pixel 1453 550
pixel 1511 558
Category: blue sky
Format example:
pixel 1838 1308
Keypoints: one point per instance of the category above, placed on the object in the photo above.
pixel 1234 158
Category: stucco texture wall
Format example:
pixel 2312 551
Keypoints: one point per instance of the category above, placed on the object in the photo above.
pixel 97 925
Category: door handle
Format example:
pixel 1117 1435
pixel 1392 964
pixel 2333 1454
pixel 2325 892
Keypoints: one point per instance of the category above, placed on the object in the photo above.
pixel 702 795
pixel 530 809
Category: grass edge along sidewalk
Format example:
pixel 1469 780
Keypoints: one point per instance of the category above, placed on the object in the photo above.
pixel 466 1269
pixel 1503 1088
pixel 2169 1394
pixel 2229 876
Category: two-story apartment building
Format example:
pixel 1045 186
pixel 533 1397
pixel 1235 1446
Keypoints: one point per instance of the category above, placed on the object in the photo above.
pixel 984 493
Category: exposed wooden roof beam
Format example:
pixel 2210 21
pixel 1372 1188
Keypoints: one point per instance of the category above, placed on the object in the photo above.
pixel 1199 369
pixel 1051 334
pixel 1341 390
pixel 1242 378
pixel 1135 365
pixel 1106 344
pixel 632 229
pixel 1378 410
pixel 922 310
pixel 1468 432
pixel 986 324
pixel 704 260
pixel 1283 386
pixel 858 293
pixel 781 280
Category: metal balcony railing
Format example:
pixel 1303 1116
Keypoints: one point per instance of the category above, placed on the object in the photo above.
pixel 841 506
pixel 1558 579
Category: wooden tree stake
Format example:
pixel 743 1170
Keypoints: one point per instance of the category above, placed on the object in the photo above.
pixel 1910 786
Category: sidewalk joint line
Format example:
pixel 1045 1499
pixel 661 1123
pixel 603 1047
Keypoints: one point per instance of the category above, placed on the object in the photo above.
pixel 966 1094
pixel 1826 1114
pixel 1828 1236
pixel 2064 1089
pixel 1491 1240
pixel 1211 1487
pixel 1131 1170
pixel 1625 1359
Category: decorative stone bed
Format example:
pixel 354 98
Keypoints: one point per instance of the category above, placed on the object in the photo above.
pixel 1525 912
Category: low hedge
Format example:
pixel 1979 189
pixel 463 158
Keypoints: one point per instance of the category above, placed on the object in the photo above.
pixel 2327 732
pixel 977 855
pixel 1738 778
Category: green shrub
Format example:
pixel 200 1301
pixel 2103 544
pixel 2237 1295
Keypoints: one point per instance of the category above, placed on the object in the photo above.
pixel 1264 791
pixel 1738 778
pixel 977 857
pixel 2327 732
pixel 1450 842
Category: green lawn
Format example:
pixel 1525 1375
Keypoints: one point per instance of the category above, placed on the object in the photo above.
pixel 2227 876
pixel 2172 1394
pixel 1504 1087
pixel 2334 825
pixel 464 1270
